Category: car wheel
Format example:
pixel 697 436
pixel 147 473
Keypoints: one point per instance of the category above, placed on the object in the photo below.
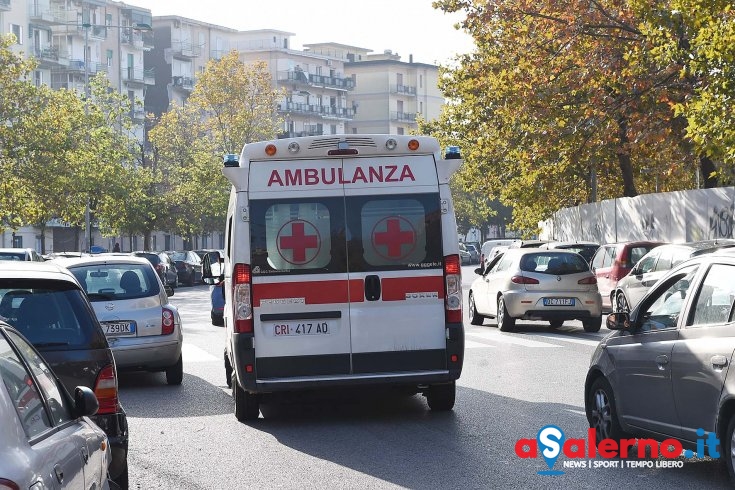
pixel 228 372
pixel 190 281
pixel 505 321
pixel 122 481
pixel 603 411
pixel 729 448
pixel 592 324
pixel 247 406
pixel 175 373
pixel 475 317
pixel 621 304
pixel 176 282
pixel 441 397
pixel 556 323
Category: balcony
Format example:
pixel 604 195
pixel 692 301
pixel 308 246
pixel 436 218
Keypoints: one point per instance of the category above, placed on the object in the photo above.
pixel 43 14
pixel 311 80
pixel 183 83
pixel 51 55
pixel 77 66
pixel 97 32
pixel 148 40
pixel 131 38
pixel 185 49
pixel 403 116
pixel 137 115
pixel 149 76
pixel 327 112
pixel 133 75
pixel 403 89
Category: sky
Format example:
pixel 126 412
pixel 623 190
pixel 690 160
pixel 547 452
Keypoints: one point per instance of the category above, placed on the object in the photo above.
pixel 403 26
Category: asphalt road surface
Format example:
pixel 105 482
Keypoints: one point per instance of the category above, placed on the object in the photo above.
pixel 513 384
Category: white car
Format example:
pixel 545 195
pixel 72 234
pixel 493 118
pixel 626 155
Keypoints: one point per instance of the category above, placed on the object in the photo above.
pixel 534 284
pixel 48 441
pixel 142 327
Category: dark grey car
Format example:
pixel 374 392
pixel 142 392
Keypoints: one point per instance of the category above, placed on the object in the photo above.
pixel 665 372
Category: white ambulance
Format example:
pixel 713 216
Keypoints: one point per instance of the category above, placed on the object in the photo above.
pixel 341 268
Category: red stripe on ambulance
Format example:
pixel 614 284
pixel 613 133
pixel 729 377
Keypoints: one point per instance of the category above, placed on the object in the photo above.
pixel 313 292
pixel 396 288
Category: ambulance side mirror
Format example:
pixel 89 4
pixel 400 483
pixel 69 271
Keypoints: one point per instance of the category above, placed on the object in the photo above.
pixel 212 268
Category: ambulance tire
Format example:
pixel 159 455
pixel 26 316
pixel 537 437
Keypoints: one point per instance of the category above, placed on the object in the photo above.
pixel 506 323
pixel 441 397
pixel 247 405
pixel 475 317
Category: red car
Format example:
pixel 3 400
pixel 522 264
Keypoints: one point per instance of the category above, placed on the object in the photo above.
pixel 613 261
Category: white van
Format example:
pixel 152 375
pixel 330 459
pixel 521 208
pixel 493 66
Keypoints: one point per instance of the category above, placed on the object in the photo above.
pixel 341 268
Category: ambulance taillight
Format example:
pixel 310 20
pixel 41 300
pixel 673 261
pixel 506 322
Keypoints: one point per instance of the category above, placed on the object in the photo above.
pixel 453 285
pixel 242 303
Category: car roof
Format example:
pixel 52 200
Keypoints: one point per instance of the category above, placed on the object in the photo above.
pixel 15 249
pixel 101 260
pixel 36 270
pixel 569 244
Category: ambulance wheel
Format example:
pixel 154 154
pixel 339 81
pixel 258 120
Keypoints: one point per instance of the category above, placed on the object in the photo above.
pixel 505 321
pixel 441 397
pixel 228 372
pixel 247 405
pixel 475 317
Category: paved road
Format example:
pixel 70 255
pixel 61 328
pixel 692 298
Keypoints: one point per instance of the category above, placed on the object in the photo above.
pixel 513 384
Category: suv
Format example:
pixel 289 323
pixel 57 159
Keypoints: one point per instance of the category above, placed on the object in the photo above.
pixel 613 261
pixel 46 304
pixel 665 373
pixel 631 288
pixel 22 254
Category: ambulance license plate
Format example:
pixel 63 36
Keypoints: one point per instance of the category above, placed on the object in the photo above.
pixel 291 329
pixel 558 301
pixel 114 329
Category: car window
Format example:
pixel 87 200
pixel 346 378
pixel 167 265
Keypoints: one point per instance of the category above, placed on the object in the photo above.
pixel 646 264
pixel 599 257
pixel 48 313
pixel 503 264
pixel 57 403
pixel 609 257
pixel 667 301
pixel 23 391
pixel 553 263
pixel 679 257
pixel 12 256
pixel 116 281
pixel 636 253
pixel 715 298
pixel 665 260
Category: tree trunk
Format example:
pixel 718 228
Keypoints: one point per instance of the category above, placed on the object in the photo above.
pixel 707 167
pixel 147 240
pixel 623 154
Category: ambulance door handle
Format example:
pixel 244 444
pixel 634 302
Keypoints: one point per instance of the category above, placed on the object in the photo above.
pixel 372 288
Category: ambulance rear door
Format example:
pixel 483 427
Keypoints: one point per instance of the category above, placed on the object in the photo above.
pixel 394 249
pixel 300 281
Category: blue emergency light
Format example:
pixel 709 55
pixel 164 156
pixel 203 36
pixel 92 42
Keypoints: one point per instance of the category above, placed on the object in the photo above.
pixel 232 160
pixel 452 153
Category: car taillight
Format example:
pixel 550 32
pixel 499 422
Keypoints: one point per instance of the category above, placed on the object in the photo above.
pixel 523 280
pixel 588 280
pixel 453 289
pixel 105 389
pixel 241 299
pixel 167 321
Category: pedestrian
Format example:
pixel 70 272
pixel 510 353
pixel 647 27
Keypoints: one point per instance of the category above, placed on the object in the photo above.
pixel 116 248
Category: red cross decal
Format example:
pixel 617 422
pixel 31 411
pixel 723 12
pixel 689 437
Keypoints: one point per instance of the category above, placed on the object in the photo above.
pixel 298 242
pixel 394 238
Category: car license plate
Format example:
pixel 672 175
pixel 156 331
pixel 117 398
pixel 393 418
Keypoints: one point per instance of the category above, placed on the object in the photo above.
pixel 118 328
pixel 558 301
pixel 291 329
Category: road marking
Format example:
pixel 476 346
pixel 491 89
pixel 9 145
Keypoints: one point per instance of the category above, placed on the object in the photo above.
pixel 578 412
pixel 564 338
pixel 192 353
pixel 471 344
pixel 509 339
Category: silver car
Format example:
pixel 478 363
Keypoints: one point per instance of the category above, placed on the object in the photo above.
pixel 534 284
pixel 142 327
pixel 665 371
pixel 47 439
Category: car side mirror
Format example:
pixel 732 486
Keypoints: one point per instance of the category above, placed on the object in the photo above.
pixel 85 401
pixel 210 276
pixel 618 321
pixel 479 271
pixel 169 290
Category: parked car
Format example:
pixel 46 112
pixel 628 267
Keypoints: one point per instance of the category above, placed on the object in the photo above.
pixel 488 246
pixel 464 255
pixel 22 254
pixel 46 303
pixel 474 253
pixel 613 261
pixel 533 284
pixel 585 249
pixel 143 328
pixel 45 432
pixel 526 243
pixel 631 288
pixel 164 266
pixel 665 373
pixel 494 252
pixel 188 266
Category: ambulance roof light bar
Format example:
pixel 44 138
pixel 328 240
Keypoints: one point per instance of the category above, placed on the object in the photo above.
pixel 343 148
pixel 452 153
pixel 232 160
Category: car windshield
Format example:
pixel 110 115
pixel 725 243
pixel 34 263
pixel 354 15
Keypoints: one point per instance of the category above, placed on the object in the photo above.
pixel 12 256
pixel 116 281
pixel 47 313
pixel 178 255
pixel 554 263
pixel 152 258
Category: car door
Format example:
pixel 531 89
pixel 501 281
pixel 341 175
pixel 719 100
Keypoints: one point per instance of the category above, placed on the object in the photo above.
pixel 641 278
pixel 56 445
pixel 480 287
pixel 602 267
pixel 496 279
pixel 703 353
pixel 642 359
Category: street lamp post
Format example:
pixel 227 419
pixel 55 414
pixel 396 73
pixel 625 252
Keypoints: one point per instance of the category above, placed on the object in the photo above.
pixel 87 60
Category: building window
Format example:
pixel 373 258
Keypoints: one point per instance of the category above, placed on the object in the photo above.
pixel 167 242
pixel 354 130
pixel 108 19
pixel 109 57
pixel 333 129
pixel 400 130
pixel 17 241
pixel 37 78
pixel 17 30
pixel 421 81
pixel 421 107
pixel 153 243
